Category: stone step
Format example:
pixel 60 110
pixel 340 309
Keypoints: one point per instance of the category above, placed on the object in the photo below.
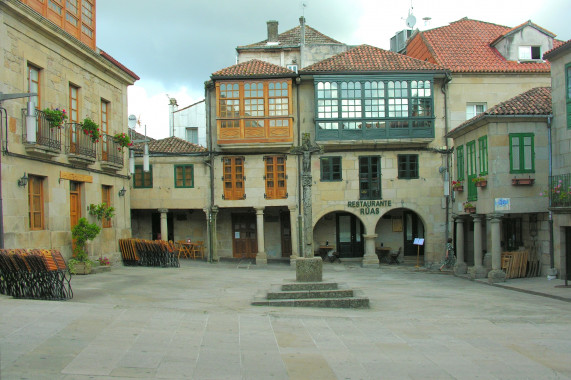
pixel 352 302
pixel 300 286
pixel 305 294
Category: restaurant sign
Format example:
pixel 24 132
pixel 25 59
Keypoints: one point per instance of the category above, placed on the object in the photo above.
pixel 369 207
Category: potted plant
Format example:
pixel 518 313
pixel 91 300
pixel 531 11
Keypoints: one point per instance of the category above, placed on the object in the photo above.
pixel 81 233
pixel 123 140
pixel 91 129
pixel 480 181
pixel 55 117
pixel 469 208
pixel 457 185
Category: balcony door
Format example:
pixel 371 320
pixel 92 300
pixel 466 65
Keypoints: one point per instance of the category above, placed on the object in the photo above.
pixel 244 237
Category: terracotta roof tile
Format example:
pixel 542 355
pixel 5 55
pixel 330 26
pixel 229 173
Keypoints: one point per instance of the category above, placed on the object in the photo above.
pixel 366 58
pixel 560 47
pixel 465 46
pixel 253 68
pixel 134 135
pixel 536 101
pixel 170 145
pixel 292 37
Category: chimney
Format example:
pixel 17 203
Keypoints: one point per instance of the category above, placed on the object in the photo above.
pixel 173 107
pixel 302 34
pixel 272 32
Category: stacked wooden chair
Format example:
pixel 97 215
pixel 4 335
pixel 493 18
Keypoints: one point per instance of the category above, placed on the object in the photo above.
pixel 150 253
pixel 35 274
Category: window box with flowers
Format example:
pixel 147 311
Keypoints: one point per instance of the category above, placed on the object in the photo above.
pixel 457 186
pixel 523 181
pixel 560 196
pixel 55 117
pixel 123 140
pixel 91 129
pixel 469 208
pixel 480 181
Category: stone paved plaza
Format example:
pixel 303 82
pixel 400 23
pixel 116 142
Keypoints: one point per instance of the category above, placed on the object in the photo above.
pixel 197 322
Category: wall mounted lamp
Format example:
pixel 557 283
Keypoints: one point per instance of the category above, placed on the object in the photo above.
pixel 22 182
pixel 122 192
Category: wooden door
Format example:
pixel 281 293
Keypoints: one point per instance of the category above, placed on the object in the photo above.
pixel 244 238
pixel 74 202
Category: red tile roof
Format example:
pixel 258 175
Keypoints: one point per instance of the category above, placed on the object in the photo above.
pixel 557 49
pixel 253 68
pixel 534 102
pixel 119 65
pixel 171 145
pixel 465 46
pixel 292 37
pixel 366 58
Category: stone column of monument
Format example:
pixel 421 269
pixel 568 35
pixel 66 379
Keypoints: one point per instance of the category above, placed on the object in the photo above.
pixel 478 270
pixel 496 274
pixel 306 180
pixel 460 267
pixel 293 217
pixel 261 256
pixel 211 215
pixel 370 258
pixel 164 225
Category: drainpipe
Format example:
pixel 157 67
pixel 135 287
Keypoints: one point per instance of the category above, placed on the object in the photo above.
pixel 299 181
pixel 211 216
pixel 444 90
pixel 3 121
pixel 550 221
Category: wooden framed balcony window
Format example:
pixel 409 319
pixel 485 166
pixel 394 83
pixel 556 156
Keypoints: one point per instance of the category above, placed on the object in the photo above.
pixel 105 110
pixel 233 178
pixel 254 111
pixel 276 178
pixel 34 84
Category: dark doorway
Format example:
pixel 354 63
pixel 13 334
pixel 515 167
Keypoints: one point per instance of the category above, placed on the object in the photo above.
pixel 349 239
pixel 412 229
pixel 285 233
pixel 567 254
pixel 156 226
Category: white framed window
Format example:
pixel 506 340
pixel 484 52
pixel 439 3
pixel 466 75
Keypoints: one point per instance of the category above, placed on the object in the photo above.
pixel 529 53
pixel 473 109
pixel 292 68
pixel 192 135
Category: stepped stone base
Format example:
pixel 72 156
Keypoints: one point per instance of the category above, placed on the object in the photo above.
pixel 312 294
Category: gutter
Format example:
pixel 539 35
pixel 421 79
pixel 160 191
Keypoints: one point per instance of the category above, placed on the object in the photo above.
pixel 550 220
pixel 444 91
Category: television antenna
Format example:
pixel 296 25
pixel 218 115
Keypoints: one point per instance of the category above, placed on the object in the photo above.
pixel 410 20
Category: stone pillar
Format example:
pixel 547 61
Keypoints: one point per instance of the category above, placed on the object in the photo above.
pixel 261 257
pixel 212 252
pixel 478 270
pixel 293 217
pixel 164 225
pixel 496 274
pixel 370 259
pixel 460 267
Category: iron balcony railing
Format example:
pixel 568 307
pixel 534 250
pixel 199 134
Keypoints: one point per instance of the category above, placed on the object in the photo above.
pixel 111 151
pixel 78 142
pixel 560 190
pixel 46 135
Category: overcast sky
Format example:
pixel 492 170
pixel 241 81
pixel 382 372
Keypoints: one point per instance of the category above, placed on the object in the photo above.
pixel 175 45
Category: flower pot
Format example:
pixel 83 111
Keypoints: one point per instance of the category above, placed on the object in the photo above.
pixel 481 183
pixel 470 210
pixel 523 181
pixel 458 188
pixel 80 268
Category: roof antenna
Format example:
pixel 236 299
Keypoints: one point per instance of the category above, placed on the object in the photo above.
pixel 303 6
pixel 410 20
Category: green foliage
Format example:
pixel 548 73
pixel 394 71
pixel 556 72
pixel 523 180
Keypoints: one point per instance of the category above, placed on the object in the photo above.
pixel 123 140
pixel 91 129
pixel 56 117
pixel 101 211
pixel 479 179
pixel 81 233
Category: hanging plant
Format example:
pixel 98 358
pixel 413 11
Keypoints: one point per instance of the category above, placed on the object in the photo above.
pixel 55 117
pixel 123 140
pixel 91 129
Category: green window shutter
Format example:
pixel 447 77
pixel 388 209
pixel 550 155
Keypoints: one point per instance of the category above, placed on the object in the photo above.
pixel 460 163
pixel 483 155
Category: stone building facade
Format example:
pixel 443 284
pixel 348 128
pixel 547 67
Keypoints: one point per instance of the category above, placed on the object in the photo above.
pixel 51 174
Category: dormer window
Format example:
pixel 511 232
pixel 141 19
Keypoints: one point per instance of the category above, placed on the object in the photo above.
pixel 528 53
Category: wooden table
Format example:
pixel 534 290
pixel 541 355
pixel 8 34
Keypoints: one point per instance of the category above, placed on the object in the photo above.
pixel 324 250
